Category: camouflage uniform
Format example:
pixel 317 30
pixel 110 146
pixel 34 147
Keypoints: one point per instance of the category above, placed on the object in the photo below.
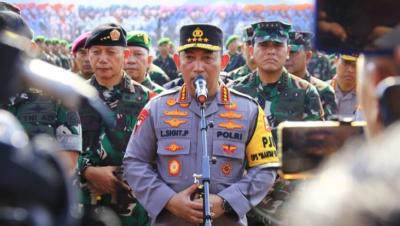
pixel 290 98
pixel 39 114
pixel 236 60
pixel 326 93
pixel 157 75
pixel 168 66
pixel 321 67
pixel 152 85
pixel 239 72
pixel 106 147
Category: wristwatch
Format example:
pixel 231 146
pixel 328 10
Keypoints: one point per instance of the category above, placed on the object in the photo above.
pixel 226 206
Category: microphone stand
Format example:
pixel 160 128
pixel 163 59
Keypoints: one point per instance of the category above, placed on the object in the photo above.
pixel 205 168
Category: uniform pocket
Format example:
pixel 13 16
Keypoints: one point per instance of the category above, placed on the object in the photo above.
pixel 173 159
pixel 230 160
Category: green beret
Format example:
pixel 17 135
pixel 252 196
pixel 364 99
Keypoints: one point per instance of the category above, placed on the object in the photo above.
pixel 40 38
pixel 163 41
pixel 109 34
pixel 138 38
pixel 55 41
pixel 63 42
pixel 274 31
pixel 300 40
pixel 231 39
pixel 47 41
pixel 204 36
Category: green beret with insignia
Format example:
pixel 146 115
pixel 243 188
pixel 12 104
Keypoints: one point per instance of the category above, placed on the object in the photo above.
pixel 163 40
pixel 204 36
pixel 300 41
pixel 231 39
pixel 274 31
pixel 109 34
pixel 139 38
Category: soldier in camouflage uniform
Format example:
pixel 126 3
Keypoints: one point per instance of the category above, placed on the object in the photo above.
pixel 103 147
pixel 236 59
pixel 300 53
pixel 321 66
pixel 139 60
pixel 250 65
pixel 64 55
pixel 157 75
pixel 41 45
pixel 164 60
pixel 282 95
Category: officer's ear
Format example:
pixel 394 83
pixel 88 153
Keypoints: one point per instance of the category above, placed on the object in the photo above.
pixel 224 60
pixel 176 60
pixel 251 49
pixel 149 59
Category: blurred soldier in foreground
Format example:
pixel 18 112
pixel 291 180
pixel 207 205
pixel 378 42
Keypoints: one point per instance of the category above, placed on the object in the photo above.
pixel 139 60
pixel 365 175
pixel 164 152
pixel 40 113
pixel 80 56
pixel 300 54
pixel 103 147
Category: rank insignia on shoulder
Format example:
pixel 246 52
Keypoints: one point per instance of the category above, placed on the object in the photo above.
pixel 231 106
pixel 174 122
pixel 176 113
pixel 230 115
pixel 229 149
pixel 174 167
pixel 226 168
pixel 173 147
pixel 230 125
pixel 171 102
pixel 184 105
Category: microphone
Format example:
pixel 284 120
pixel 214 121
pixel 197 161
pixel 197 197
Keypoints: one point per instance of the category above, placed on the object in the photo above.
pixel 201 89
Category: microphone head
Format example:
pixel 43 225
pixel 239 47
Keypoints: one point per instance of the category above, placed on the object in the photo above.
pixel 201 89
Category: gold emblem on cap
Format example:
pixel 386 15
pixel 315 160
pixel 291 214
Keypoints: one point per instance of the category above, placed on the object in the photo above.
pixel 197 36
pixel 115 34
pixel 145 39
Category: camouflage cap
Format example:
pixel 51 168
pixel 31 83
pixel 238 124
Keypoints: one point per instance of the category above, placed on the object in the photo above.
pixel 109 34
pixel 163 40
pixel 204 36
pixel 274 31
pixel 139 38
pixel 300 41
pixel 231 39
pixel 247 34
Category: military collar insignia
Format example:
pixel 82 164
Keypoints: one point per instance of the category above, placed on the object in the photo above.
pixel 115 34
pixel 225 95
pixel 176 113
pixel 174 122
pixel 183 97
pixel 230 125
pixel 173 147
